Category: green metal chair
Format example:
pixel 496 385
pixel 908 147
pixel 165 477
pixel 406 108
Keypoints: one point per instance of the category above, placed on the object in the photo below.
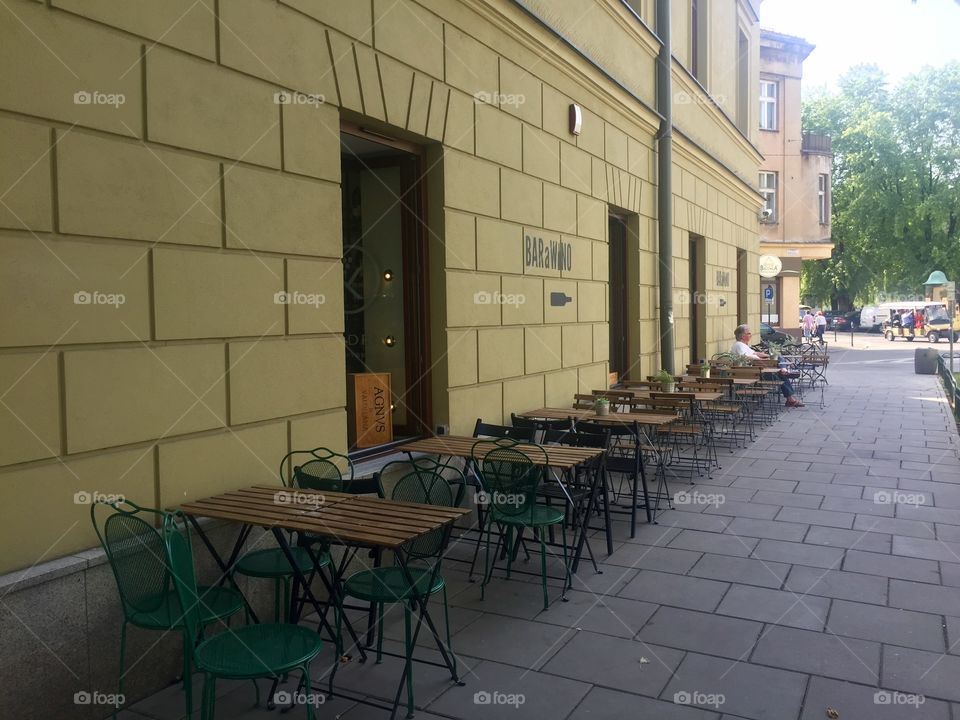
pixel 510 481
pixel 321 471
pixel 244 653
pixel 418 577
pixel 135 550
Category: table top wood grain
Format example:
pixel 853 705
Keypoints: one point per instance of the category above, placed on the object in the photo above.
pixel 557 456
pixel 612 418
pixel 343 517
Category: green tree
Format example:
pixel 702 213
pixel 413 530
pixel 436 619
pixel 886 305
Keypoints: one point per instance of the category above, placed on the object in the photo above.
pixel 894 188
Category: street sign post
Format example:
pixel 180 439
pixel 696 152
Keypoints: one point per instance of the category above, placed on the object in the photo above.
pixel 769 296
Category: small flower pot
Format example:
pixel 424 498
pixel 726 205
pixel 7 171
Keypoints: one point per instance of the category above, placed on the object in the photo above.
pixel 669 387
pixel 602 408
pixel 705 371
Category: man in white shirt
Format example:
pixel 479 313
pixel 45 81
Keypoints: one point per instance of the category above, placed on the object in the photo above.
pixel 742 335
pixel 821 322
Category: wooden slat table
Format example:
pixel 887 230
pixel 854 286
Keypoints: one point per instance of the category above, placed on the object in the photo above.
pixel 559 457
pixel 736 380
pixel 590 415
pixel 698 395
pixel 564 458
pixel 342 517
pixel 615 418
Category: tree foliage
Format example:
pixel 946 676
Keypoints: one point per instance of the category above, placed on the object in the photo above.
pixel 895 191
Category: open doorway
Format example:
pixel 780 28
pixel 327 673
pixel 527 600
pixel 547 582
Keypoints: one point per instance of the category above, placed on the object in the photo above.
pixel 385 276
pixel 617 315
pixel 698 305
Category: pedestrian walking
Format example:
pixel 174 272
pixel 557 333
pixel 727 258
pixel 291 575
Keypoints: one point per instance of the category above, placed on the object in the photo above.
pixel 821 325
pixel 808 323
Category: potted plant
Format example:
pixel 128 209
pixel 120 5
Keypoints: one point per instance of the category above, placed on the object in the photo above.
pixel 601 406
pixel 666 381
pixel 705 370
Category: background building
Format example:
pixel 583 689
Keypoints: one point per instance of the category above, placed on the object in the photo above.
pixel 212 213
pixel 794 174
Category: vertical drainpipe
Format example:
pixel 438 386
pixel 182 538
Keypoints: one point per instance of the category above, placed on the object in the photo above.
pixel 665 185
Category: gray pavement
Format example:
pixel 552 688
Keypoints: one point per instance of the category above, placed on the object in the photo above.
pixel 820 571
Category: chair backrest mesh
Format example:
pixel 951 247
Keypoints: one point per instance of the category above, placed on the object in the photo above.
pixel 318 474
pixel 510 481
pixel 139 561
pixel 428 488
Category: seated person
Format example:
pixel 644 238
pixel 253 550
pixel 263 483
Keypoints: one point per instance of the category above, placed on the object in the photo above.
pixel 742 347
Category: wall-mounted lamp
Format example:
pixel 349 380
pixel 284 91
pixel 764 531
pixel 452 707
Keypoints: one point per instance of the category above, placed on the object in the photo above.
pixel 389 341
pixel 388 275
pixel 723 302
pixel 576 119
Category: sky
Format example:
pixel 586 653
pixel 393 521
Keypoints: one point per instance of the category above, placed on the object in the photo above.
pixel 898 35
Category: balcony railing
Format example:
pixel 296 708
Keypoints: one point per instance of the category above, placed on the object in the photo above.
pixel 812 143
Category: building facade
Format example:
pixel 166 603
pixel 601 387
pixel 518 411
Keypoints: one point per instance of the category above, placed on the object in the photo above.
pixel 214 215
pixel 794 175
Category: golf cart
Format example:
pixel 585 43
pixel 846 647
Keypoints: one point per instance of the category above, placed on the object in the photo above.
pixel 936 325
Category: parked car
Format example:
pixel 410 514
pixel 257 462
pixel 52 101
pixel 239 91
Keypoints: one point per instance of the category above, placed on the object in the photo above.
pixel 839 323
pixel 769 334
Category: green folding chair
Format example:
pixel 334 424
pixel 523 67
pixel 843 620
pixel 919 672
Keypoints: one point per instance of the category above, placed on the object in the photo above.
pixel 510 481
pixel 245 653
pixel 135 550
pixel 321 471
pixel 418 577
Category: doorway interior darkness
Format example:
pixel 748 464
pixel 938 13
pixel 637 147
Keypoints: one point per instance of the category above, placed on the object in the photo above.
pixel 385 272
pixel 619 353
pixel 698 307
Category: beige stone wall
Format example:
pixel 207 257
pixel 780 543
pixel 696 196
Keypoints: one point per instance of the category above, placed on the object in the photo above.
pixel 200 197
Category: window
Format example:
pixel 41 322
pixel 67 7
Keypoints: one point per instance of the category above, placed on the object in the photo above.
pixel 768 188
pixel 698 40
pixel 768 105
pixel 822 208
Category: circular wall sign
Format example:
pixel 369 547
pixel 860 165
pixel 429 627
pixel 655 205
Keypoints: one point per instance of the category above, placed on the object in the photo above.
pixel 770 266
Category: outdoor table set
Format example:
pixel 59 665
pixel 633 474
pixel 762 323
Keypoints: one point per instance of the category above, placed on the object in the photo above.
pixel 563 459
pixel 340 518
